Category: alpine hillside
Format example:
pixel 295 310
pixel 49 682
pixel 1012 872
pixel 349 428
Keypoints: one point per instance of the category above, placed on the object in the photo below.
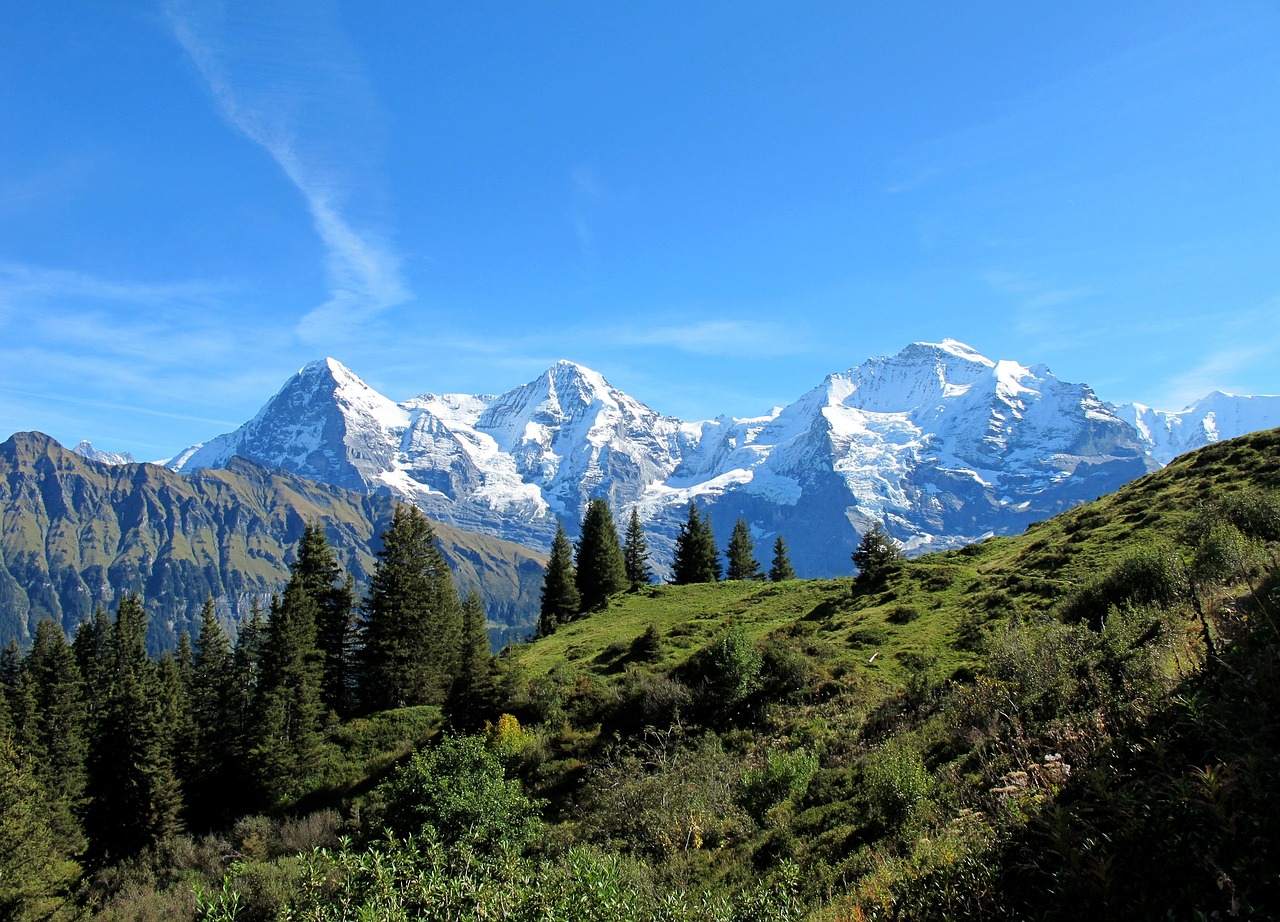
pixel 939 442
pixel 76 533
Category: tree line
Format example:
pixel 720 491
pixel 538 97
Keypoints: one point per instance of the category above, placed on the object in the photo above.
pixel 105 751
pixel 581 577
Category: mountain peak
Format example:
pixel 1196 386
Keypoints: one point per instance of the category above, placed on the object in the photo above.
pixel 86 450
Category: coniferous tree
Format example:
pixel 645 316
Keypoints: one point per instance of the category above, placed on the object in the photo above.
pixel 60 733
pixel 560 600
pixel 741 554
pixel 697 559
pixel 601 570
pixel 134 798
pixel 246 662
pixel 322 579
pixel 877 554
pixel 471 696
pixel 413 618
pixel 285 741
pixel 635 553
pixel 216 749
pixel 36 874
pixel 781 566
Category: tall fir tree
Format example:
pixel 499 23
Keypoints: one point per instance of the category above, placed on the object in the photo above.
pixel 601 570
pixel 697 559
pixel 560 600
pixel 322 579
pixel 60 731
pixel 413 618
pixel 780 569
pixel 37 875
pixel 214 794
pixel 471 697
pixel 285 742
pixel 635 553
pixel 134 800
pixel 877 555
pixel 741 554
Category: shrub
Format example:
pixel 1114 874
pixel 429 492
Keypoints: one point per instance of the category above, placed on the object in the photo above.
pixel 457 793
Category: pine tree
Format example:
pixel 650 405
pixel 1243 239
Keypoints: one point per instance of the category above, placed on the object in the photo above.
pixel 134 798
pixel 601 570
pixel 413 618
pixel 471 696
pixel 60 731
pixel 635 553
pixel 877 555
pixel 560 600
pixel 697 559
pixel 217 749
pixel 36 874
pixel 322 580
pixel 285 741
pixel 781 567
pixel 741 554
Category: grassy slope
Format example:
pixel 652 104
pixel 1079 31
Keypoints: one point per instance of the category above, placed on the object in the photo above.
pixel 920 611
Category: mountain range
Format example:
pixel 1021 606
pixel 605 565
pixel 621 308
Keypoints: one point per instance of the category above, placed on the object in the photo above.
pixel 939 443
pixel 75 533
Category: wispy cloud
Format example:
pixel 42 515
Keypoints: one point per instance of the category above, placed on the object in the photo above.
pixel 265 71
pixel 1042 310
pixel 719 337
pixel 1217 372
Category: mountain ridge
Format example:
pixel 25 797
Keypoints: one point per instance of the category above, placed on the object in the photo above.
pixel 939 442
pixel 76 532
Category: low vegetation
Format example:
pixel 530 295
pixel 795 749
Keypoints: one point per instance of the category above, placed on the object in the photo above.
pixel 1076 722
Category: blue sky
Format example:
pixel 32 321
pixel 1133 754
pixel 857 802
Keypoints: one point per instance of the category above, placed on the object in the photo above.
pixel 714 204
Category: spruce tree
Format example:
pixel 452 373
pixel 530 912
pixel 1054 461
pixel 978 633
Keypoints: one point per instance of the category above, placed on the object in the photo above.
pixel 60 731
pixel 697 559
pixel 781 567
pixel 36 873
pixel 471 696
pixel 413 618
pixel 877 555
pixel 560 600
pixel 635 553
pixel 214 701
pixel 320 574
pixel 741 554
pixel 134 798
pixel 601 570
pixel 285 741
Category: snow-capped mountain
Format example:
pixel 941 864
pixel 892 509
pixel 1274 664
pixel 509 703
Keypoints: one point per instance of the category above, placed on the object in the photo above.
pixel 1218 416
pixel 939 442
pixel 86 450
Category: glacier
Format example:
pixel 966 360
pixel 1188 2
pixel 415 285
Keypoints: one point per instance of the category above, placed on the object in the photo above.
pixel 939 443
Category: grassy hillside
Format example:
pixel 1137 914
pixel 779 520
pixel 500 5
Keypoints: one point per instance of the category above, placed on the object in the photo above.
pixel 1076 722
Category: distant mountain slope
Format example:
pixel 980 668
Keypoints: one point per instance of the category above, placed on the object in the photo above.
pixel 1216 418
pixel 939 442
pixel 75 533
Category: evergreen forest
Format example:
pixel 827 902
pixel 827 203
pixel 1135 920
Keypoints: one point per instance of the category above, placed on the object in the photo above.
pixel 1082 721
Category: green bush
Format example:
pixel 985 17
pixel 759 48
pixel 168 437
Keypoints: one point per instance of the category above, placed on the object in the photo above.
pixel 456 792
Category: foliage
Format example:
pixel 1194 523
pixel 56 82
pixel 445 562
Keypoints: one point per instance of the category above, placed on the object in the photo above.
pixel 413 618
pixel 780 569
pixel 561 601
pixel 599 566
pixel 877 555
pixel 697 559
pixel 456 793
pixel 635 553
pixel 741 554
